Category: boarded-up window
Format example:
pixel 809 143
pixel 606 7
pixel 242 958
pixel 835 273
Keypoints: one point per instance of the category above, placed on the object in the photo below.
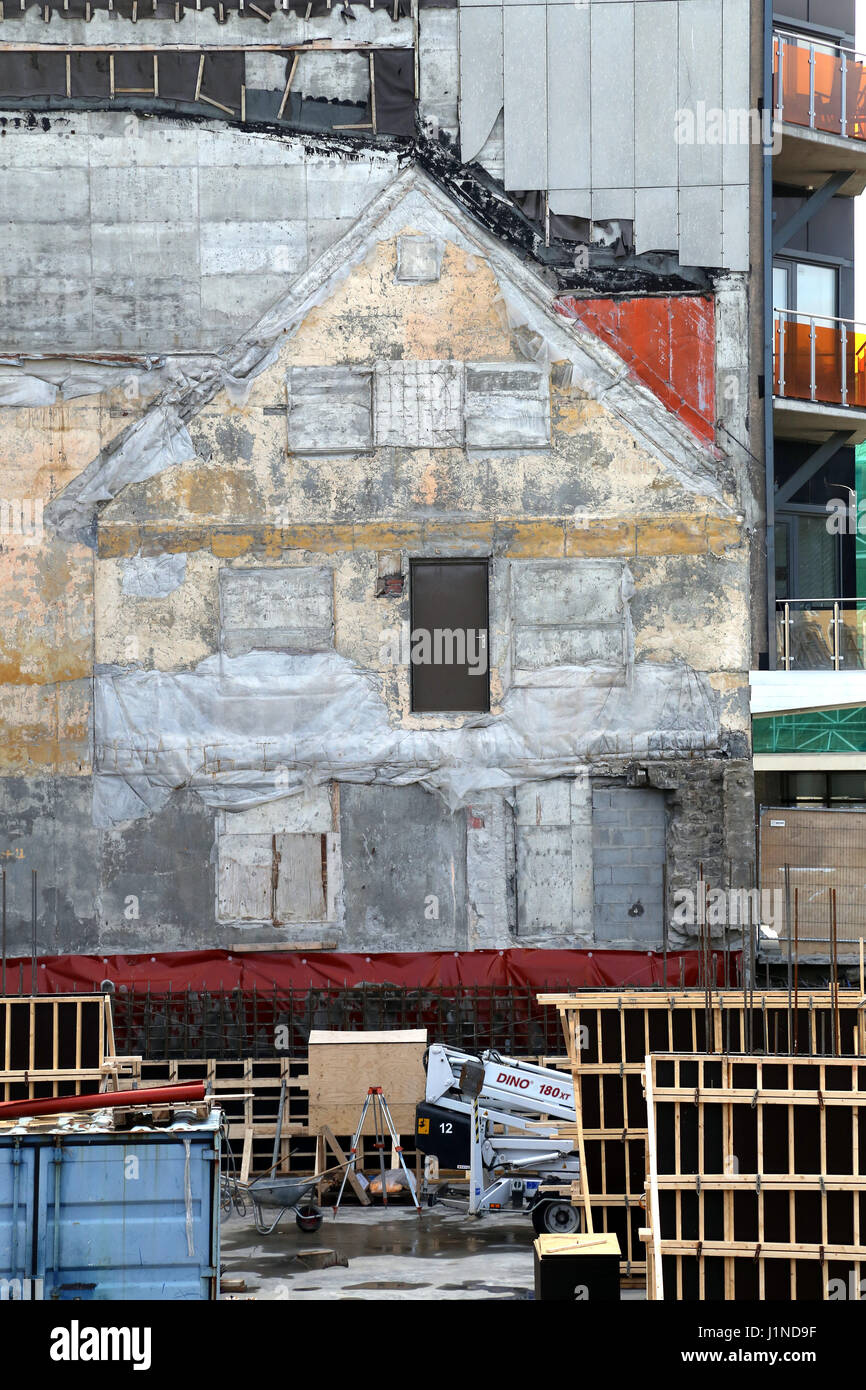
pixel 275 878
pixel 419 405
pixel 276 609
pixel 449 643
pixel 506 406
pixel 300 892
pixel 244 881
pixel 330 410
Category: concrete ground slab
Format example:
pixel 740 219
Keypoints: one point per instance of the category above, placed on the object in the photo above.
pixel 392 1254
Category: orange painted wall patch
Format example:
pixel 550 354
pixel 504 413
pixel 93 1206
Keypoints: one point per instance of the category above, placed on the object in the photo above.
pixel 669 344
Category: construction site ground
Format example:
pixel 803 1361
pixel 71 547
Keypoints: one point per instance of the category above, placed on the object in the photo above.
pixel 391 1254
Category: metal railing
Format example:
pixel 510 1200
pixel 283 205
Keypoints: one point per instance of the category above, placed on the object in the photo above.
pixel 821 634
pixel 819 358
pixel 824 91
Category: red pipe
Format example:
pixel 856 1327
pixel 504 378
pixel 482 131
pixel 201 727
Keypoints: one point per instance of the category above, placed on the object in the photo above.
pixel 103 1100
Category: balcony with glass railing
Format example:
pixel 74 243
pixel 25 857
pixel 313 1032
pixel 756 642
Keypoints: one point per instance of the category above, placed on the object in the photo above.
pixel 820 359
pixel 821 634
pixel 819 85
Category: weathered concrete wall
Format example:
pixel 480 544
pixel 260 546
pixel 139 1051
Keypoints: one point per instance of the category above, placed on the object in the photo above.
pixel 130 234
pixel 567 528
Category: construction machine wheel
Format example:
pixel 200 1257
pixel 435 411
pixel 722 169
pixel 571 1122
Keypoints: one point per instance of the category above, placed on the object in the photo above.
pixel 553 1216
pixel 308 1218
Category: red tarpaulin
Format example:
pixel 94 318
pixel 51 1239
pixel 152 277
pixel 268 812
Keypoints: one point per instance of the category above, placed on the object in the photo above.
pixel 216 970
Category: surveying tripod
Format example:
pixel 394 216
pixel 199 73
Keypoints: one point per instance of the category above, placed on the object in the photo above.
pixel 375 1101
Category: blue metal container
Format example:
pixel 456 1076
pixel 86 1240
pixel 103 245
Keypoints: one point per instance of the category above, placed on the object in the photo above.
pixel 92 1213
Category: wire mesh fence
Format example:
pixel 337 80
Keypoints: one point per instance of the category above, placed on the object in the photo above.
pixel 813 879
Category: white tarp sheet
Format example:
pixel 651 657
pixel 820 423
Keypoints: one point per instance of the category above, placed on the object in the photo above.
pixel 242 731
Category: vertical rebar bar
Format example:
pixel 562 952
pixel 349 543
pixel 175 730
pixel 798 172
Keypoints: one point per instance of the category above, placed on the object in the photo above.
pixel 835 996
pixel 796 971
pixel 787 873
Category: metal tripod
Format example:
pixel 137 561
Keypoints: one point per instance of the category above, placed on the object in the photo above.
pixel 381 1121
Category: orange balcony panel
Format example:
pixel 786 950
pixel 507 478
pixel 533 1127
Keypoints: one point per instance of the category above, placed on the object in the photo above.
pixel 804 77
pixel 819 361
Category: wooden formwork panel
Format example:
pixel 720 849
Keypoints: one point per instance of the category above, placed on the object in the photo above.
pixel 343 1066
pixel 58 1045
pixel 609 1034
pixel 757 1177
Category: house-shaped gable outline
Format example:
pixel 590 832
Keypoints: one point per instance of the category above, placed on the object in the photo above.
pixel 160 438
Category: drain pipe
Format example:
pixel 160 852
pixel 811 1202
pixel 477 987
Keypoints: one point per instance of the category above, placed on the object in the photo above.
pixel 769 463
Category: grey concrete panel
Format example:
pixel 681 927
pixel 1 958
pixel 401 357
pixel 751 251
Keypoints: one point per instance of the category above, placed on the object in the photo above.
pixel 252 195
pixel 133 250
pixel 655 96
pixel 277 248
pixel 735 87
pixel 439 64
pixel 146 312
pixel 608 203
pixel 38 248
pixel 735 227
pixel 139 195
pixel 568 104
pixel 230 302
pixel 566 592
pixel 700 81
pixel 57 315
pixel 481 75
pixel 525 67
pixel 571 202
pixel 701 226
pixel 404 855
pixel 612 66
pixel 656 219
pixel 288 609
pixel 700 222
pixel 24 192
pixel 543 880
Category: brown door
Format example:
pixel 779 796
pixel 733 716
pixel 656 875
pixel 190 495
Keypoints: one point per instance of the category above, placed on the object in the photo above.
pixel 449 648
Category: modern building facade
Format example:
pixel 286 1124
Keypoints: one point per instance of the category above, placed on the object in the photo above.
pixel 810 751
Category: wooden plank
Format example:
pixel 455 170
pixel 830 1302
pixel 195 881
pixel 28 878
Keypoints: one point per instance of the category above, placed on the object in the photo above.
pixel 330 1140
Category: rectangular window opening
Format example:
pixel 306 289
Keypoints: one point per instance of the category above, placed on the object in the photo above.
pixel 449 647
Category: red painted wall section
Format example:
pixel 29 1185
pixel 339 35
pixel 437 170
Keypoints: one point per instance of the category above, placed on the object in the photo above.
pixel 669 344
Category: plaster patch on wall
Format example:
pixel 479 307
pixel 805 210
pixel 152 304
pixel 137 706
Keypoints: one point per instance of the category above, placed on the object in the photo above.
pixel 153 576
pixel 272 609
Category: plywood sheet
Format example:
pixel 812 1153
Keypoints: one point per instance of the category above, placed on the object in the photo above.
pixel 343 1066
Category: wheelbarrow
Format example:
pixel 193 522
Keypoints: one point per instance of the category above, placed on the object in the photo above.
pixel 289 1194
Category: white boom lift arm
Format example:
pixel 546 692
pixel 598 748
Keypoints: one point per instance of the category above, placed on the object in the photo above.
pixel 494 1093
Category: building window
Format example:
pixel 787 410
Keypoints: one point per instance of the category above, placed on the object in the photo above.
pixel 278 878
pixel 822 788
pixel 806 288
pixel 449 639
